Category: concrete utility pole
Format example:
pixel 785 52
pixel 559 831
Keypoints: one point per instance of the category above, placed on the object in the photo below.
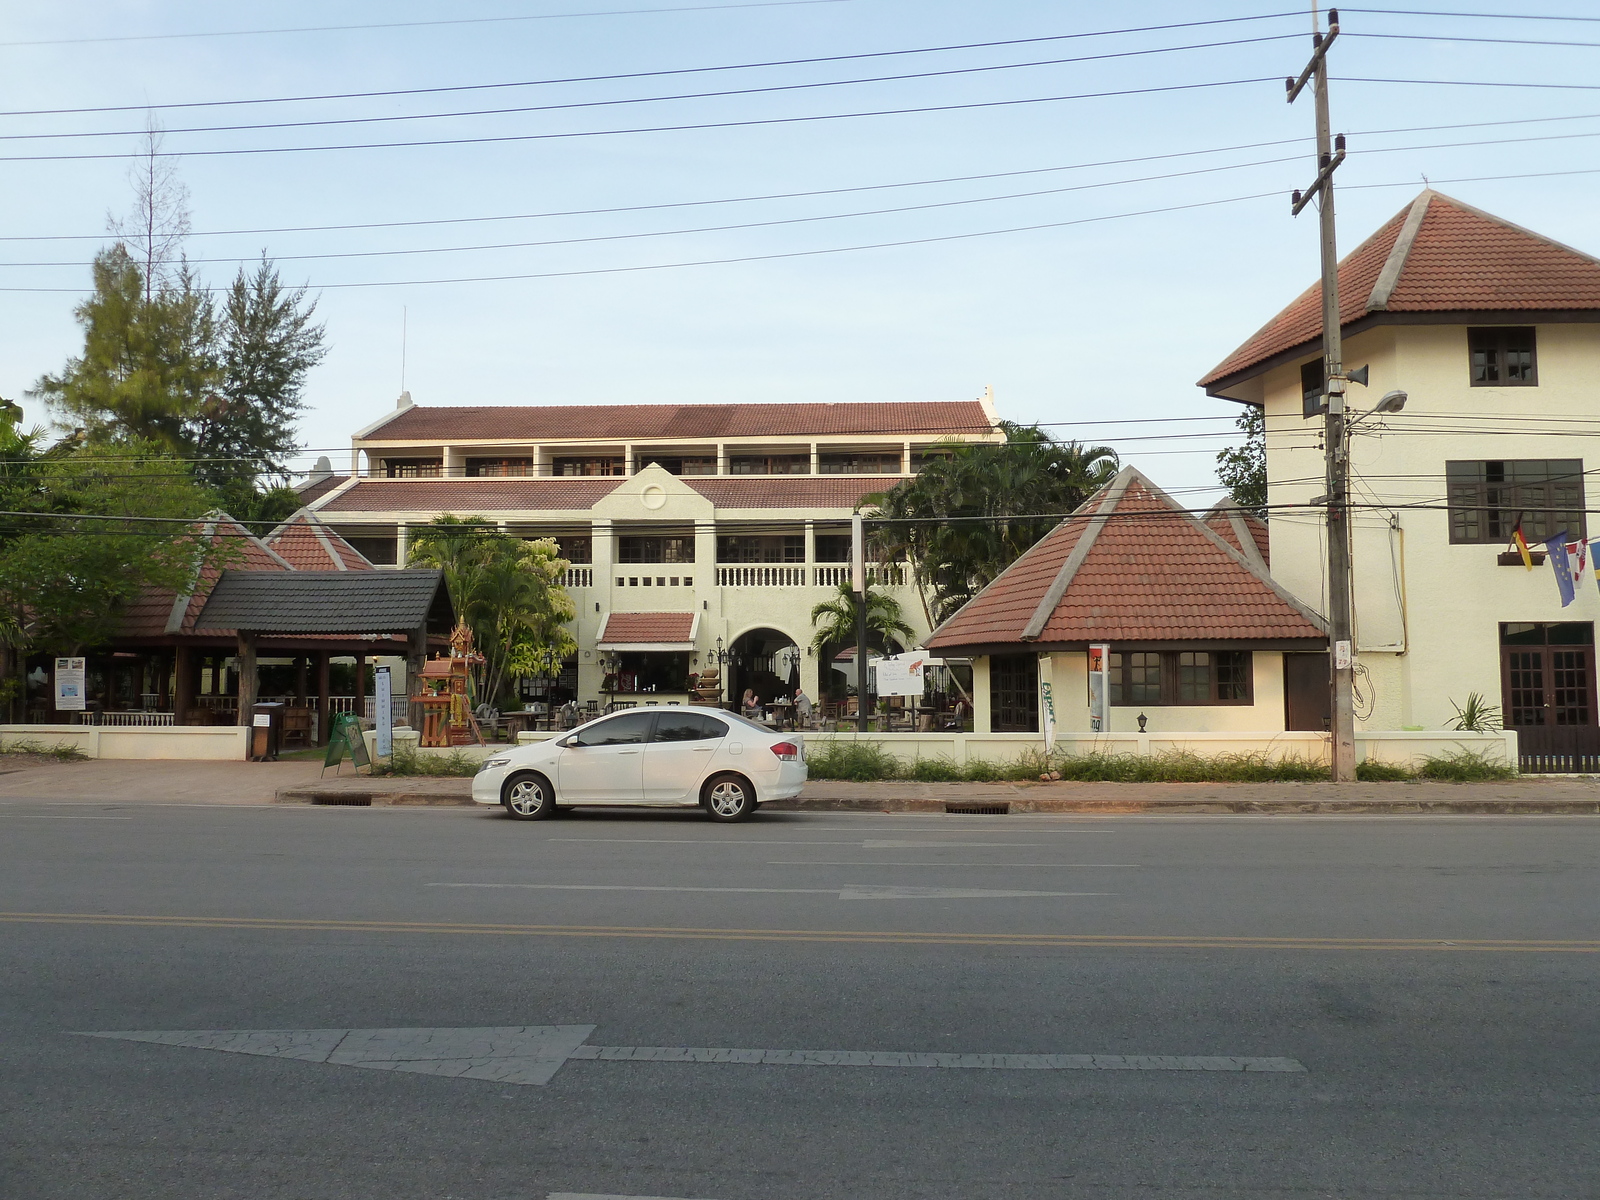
pixel 1330 153
pixel 858 585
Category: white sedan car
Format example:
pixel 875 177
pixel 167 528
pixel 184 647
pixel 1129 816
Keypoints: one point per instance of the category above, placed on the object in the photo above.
pixel 667 757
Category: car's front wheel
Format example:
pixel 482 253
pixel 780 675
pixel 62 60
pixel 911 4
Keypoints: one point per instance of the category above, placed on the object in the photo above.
pixel 728 797
pixel 528 797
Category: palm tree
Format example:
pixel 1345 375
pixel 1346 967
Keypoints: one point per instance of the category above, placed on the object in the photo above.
pixel 974 509
pixel 508 591
pixel 835 620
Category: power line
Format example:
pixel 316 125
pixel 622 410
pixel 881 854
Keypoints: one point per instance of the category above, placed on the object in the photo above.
pixel 703 125
pixel 224 33
pixel 657 74
pixel 587 104
pixel 929 206
pixel 587 212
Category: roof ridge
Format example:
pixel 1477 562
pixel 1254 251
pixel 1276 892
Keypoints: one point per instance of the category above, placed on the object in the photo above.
pixel 1383 287
pixel 1114 491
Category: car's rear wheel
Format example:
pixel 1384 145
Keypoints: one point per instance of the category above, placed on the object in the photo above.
pixel 528 797
pixel 728 797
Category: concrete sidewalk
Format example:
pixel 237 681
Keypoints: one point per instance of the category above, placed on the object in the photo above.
pixel 1556 796
pixel 153 781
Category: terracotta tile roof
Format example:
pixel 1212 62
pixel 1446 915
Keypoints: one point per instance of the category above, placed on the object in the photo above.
pixel 580 494
pixel 472 495
pixel 309 545
pixel 1226 521
pixel 317 489
pixel 646 628
pixel 1436 255
pixel 1129 566
pixel 162 611
pixel 621 422
pixel 790 491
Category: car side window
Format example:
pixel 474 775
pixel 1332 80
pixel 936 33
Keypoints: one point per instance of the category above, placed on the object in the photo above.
pixel 688 727
pixel 626 729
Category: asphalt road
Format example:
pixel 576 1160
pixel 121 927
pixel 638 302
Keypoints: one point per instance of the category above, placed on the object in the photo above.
pixel 1198 1007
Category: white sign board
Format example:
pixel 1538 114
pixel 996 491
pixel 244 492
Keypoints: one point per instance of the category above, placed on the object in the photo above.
pixel 1099 688
pixel 261 720
pixel 69 684
pixel 901 675
pixel 383 713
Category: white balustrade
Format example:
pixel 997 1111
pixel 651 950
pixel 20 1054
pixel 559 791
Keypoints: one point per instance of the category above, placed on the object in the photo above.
pixel 878 574
pixel 578 577
pixel 761 576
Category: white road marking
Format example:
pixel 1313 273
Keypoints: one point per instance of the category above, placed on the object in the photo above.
pixel 925 844
pixel 895 1058
pixel 528 1054
pixel 60 817
pixel 606 1196
pixel 848 862
pixel 866 891
pixel 532 1054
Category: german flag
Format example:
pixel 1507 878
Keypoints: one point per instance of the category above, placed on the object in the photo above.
pixel 1522 546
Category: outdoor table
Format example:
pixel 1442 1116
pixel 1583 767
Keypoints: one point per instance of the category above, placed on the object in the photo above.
pixel 783 713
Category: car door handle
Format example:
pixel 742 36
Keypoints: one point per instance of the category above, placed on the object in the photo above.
pixel 704 749
pixel 627 752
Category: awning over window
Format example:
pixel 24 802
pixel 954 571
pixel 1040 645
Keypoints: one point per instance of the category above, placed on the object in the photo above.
pixel 649 631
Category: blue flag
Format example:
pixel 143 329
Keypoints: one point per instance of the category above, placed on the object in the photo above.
pixel 1562 566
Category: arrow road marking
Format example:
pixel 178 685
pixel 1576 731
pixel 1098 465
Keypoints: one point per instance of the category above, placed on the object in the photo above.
pixel 532 1054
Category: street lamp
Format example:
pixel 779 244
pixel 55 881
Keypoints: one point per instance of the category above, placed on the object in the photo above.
pixel 1392 402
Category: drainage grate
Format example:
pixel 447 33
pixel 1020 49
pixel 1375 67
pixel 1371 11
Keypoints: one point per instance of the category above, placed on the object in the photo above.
pixel 999 809
pixel 351 801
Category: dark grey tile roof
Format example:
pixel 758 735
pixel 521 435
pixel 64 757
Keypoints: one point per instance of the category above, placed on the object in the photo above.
pixel 328 602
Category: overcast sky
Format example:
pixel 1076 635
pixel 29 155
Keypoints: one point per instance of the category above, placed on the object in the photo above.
pixel 1090 320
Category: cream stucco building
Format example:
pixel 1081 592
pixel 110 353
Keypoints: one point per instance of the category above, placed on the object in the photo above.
pixel 1494 334
pixel 700 536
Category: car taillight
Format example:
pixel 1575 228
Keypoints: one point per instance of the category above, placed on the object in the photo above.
pixel 787 751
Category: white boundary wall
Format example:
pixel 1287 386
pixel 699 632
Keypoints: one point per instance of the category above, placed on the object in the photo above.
pixel 1399 748
pixel 196 743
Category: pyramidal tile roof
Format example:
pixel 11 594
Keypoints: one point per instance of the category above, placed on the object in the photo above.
pixel 1245 532
pixel 1130 565
pixel 1435 255
pixel 160 611
pixel 309 545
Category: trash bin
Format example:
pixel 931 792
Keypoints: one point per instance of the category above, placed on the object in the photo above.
pixel 266 731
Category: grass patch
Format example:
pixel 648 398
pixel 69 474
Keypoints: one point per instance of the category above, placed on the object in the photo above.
pixel 936 770
pixel 1382 772
pixel 1185 767
pixel 60 751
pixel 1464 766
pixel 856 762
pixel 406 761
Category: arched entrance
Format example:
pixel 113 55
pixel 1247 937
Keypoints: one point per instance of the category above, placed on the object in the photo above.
pixel 765 661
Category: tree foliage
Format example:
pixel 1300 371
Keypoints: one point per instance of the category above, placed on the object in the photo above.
pixel 68 572
pixel 1243 469
pixel 508 590
pixel 977 506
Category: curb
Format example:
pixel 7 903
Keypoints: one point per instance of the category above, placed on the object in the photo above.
pixel 399 798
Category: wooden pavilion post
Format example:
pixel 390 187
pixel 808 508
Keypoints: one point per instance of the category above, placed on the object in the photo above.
pixel 361 686
pixel 323 707
pixel 247 675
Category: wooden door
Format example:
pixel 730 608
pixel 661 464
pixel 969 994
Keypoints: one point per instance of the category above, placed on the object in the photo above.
pixel 1307 698
pixel 1548 697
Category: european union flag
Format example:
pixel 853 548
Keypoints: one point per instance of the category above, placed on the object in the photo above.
pixel 1562 566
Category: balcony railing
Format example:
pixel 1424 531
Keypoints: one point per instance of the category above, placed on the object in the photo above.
pixel 578 577
pixel 760 576
pixel 878 574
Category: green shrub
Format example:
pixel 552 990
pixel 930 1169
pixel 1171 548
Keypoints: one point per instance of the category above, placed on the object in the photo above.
pixel 935 770
pixel 407 761
pixel 1464 766
pixel 856 762
pixel 1382 772
pixel 60 751
pixel 1186 767
pixel 980 770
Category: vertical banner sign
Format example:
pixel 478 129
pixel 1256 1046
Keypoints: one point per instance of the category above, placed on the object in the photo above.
pixel 69 684
pixel 1047 701
pixel 1099 688
pixel 383 713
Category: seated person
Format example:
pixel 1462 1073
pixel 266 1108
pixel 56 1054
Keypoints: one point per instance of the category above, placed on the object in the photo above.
pixel 750 706
pixel 802 705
